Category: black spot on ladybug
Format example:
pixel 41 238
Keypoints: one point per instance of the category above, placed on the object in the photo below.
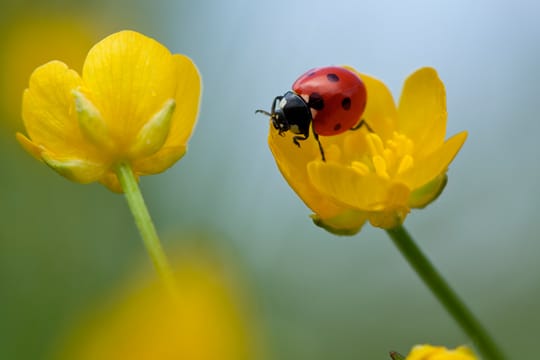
pixel 337 127
pixel 346 103
pixel 332 77
pixel 316 101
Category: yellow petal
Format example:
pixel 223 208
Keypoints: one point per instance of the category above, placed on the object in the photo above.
pixel 292 163
pixel 128 77
pixel 466 352
pixel 428 168
pixel 160 161
pixel 347 186
pixel 422 110
pixel 29 146
pixel 49 114
pixel 380 113
pixel 429 352
pixel 188 94
pixel 424 352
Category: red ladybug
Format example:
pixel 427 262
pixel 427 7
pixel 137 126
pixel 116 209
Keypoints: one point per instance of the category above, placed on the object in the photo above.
pixel 331 98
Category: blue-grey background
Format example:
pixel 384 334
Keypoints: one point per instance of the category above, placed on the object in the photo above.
pixel 63 246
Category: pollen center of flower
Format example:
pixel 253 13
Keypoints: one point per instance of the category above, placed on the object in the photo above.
pixel 392 157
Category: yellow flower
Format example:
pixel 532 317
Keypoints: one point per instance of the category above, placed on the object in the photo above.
pixel 428 352
pixel 207 321
pixel 135 103
pixel 375 176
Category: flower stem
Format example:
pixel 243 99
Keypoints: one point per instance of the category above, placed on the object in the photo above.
pixel 144 224
pixel 448 298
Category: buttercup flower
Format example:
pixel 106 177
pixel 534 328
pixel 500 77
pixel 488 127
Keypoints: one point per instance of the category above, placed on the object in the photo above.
pixel 378 175
pixel 134 103
pixel 429 352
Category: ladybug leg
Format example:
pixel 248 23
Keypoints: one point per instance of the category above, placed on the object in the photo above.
pixel 296 139
pixel 362 123
pixel 316 136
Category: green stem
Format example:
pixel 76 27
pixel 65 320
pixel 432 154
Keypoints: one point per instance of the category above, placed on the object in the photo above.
pixel 144 224
pixel 448 298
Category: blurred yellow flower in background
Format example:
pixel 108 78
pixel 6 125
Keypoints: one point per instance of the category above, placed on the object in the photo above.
pixel 32 38
pixel 375 176
pixel 209 320
pixel 429 352
pixel 135 103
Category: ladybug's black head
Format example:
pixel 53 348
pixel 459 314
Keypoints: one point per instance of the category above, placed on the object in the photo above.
pixel 290 113
pixel 279 120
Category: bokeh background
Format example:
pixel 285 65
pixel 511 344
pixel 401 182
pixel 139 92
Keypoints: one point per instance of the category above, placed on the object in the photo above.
pixel 67 249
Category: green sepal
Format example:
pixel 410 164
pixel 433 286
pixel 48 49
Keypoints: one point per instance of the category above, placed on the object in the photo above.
pixel 77 170
pixel 347 223
pixel 428 193
pixel 91 123
pixel 396 356
pixel 155 132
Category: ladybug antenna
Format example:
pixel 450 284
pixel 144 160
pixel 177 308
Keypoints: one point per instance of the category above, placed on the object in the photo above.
pixel 263 112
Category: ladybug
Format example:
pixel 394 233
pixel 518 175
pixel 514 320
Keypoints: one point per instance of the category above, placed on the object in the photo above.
pixel 330 99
